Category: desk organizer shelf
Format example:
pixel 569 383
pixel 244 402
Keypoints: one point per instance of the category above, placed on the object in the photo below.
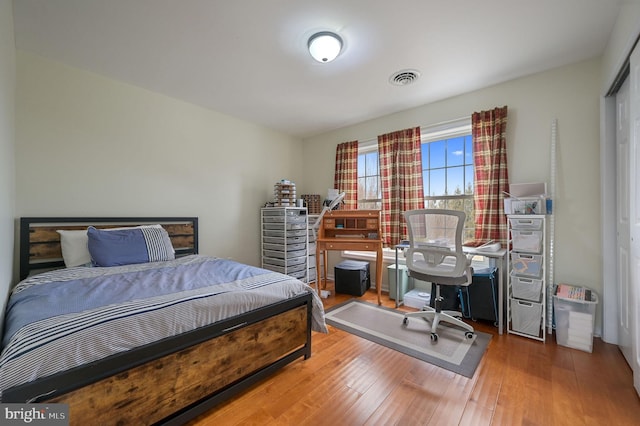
pixel 313 203
pixel 350 230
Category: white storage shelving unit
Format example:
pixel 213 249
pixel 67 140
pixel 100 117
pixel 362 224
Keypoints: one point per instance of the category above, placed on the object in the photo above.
pixel 526 267
pixel 313 274
pixel 285 241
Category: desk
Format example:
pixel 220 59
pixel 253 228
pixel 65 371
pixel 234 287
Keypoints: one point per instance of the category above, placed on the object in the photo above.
pixel 499 255
pixel 350 230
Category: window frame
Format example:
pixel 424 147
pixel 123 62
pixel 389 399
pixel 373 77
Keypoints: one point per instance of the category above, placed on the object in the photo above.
pixel 447 131
pixel 364 149
pixel 442 131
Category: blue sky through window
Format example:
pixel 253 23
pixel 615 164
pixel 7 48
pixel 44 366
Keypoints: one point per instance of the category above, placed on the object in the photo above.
pixel 448 166
pixel 447 169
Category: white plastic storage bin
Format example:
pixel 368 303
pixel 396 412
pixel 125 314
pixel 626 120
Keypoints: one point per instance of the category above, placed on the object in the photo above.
pixel 528 265
pixel 405 281
pixel 417 299
pixel 526 317
pixel 528 241
pixel 525 205
pixel 575 320
pixel 526 288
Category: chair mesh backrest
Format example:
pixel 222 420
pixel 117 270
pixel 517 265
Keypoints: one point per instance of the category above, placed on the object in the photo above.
pixel 435 227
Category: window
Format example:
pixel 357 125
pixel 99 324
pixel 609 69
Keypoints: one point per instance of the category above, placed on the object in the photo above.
pixel 447 175
pixel 447 163
pixel 369 192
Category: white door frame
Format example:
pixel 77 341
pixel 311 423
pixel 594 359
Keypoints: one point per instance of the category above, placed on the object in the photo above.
pixel 609 205
pixel 634 216
pixel 609 298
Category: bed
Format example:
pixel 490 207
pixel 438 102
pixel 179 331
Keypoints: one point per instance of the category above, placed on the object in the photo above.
pixel 144 340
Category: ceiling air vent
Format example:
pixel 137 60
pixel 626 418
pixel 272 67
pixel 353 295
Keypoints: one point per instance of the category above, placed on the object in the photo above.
pixel 404 77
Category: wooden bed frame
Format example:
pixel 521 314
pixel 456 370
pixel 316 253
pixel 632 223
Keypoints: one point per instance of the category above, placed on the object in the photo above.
pixel 175 379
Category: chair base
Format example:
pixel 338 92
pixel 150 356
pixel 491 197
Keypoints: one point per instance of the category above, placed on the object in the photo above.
pixel 434 317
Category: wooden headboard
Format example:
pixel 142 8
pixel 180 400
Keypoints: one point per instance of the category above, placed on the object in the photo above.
pixel 40 243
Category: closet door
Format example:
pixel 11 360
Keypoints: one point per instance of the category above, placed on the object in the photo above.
pixel 625 302
pixel 634 214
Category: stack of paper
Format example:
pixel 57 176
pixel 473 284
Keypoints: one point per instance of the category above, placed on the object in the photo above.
pixel 580 331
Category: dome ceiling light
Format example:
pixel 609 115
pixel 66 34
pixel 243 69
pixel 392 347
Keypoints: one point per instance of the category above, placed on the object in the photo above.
pixel 325 46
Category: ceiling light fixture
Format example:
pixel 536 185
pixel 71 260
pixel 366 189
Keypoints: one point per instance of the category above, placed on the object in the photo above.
pixel 325 46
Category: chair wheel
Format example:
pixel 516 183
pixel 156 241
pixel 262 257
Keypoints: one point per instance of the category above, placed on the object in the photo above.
pixel 434 337
pixel 405 321
pixel 469 334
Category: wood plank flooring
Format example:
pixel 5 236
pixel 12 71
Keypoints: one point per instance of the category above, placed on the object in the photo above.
pixel 351 381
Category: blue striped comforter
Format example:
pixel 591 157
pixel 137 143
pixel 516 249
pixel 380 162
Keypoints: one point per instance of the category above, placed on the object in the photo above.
pixel 62 319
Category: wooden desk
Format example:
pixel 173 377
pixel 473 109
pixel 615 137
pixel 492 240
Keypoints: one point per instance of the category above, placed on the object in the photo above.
pixel 350 230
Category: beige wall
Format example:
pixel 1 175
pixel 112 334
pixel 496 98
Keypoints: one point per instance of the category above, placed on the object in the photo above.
pixel 91 146
pixel 570 94
pixel 7 172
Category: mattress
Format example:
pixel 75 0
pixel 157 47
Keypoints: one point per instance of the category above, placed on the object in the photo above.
pixel 66 318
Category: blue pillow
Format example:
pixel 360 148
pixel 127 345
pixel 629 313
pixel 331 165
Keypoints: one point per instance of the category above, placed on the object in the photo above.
pixel 129 246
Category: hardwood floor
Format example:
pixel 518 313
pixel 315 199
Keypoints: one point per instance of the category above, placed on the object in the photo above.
pixel 351 381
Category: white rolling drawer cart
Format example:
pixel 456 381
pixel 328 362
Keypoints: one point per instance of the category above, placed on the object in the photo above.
pixel 526 288
pixel 285 241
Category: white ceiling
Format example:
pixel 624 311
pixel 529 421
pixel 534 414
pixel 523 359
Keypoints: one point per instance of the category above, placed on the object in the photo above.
pixel 248 58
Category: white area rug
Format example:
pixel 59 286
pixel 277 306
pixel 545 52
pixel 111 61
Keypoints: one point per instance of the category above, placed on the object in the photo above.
pixel 382 325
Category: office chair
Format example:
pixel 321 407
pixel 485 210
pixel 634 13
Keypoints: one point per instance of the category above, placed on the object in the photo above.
pixel 435 255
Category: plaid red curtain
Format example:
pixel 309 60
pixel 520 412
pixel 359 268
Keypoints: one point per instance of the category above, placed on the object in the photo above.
pixel 346 174
pixel 400 158
pixel 491 177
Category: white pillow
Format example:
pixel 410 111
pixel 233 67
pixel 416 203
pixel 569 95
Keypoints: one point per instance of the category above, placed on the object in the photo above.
pixel 74 247
pixel 74 244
